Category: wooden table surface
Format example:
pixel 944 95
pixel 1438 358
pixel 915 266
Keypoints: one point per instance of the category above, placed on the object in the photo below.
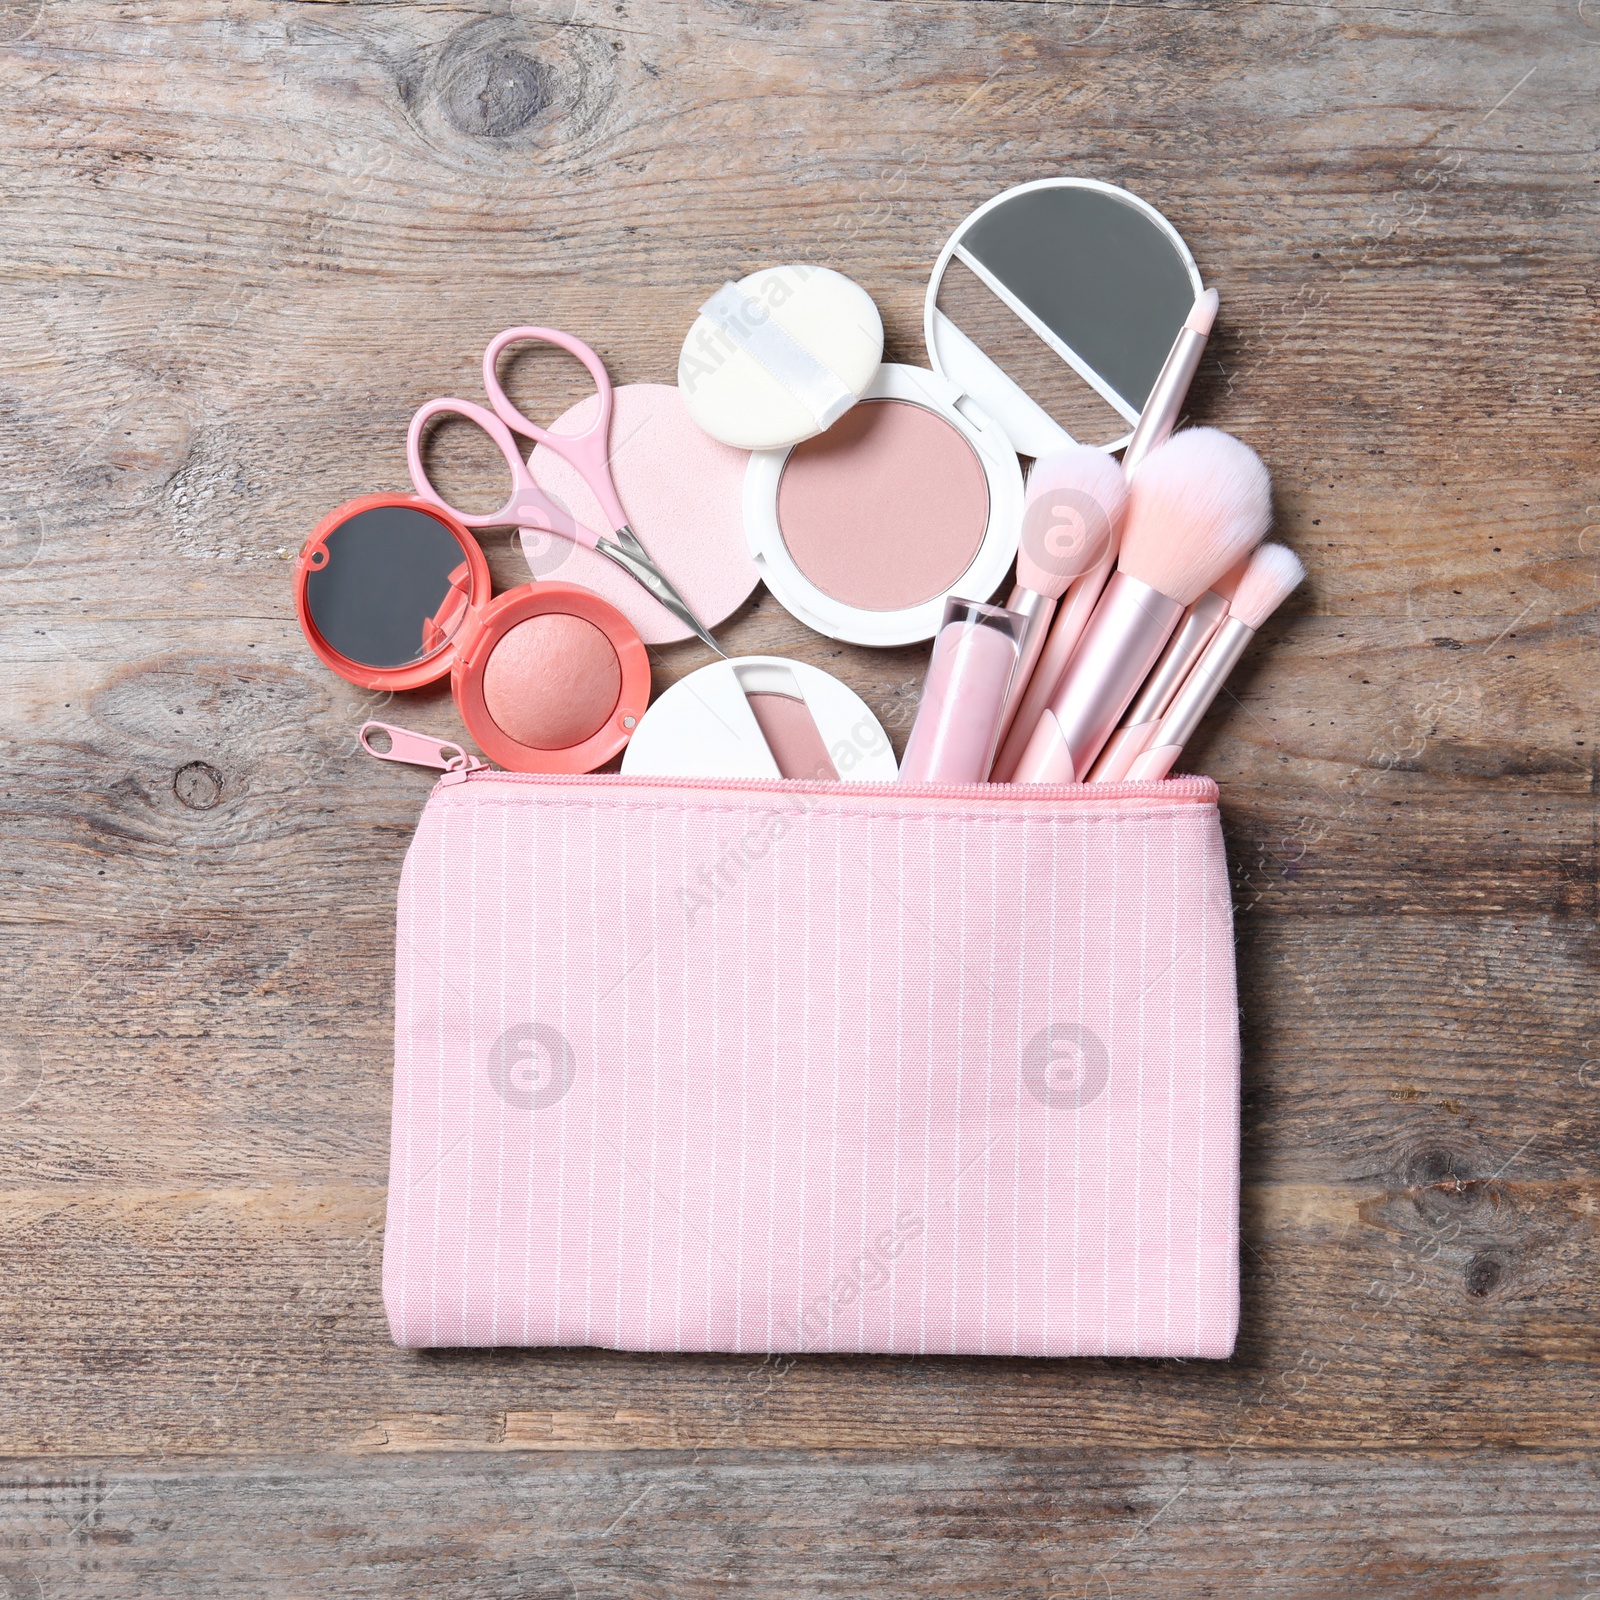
pixel 243 240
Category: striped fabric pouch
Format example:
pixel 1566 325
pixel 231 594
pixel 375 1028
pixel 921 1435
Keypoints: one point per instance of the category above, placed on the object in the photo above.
pixel 775 1066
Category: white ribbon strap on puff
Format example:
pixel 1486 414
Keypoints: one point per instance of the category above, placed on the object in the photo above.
pixel 750 326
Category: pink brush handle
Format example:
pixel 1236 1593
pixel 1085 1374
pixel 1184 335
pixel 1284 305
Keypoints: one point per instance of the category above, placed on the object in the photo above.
pixel 1200 688
pixel 1156 422
pixel 1185 648
pixel 1155 763
pixel 1126 634
pixel 1072 617
pixel 589 451
pixel 1125 747
pixel 528 507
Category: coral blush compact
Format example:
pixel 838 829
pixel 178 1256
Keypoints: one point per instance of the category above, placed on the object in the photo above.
pixel 394 593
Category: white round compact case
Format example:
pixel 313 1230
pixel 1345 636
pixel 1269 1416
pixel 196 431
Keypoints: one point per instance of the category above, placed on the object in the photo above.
pixel 913 495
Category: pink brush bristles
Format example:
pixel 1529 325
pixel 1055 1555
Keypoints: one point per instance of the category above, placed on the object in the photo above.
pixel 1274 573
pixel 1076 498
pixel 1196 506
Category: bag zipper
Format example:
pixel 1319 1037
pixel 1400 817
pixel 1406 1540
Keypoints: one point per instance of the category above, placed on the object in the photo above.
pixel 418 750
pixel 458 767
pixel 1184 787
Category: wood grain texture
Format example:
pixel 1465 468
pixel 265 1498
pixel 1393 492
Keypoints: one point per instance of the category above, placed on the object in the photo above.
pixel 244 240
pixel 1028 1525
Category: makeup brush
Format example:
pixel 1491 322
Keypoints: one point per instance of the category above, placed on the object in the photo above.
pixel 1156 422
pixel 1165 400
pixel 1273 575
pixel 1185 647
pixel 1196 506
pixel 1071 618
pixel 1070 522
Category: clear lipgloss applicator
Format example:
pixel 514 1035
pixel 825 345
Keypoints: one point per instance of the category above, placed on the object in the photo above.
pixel 975 654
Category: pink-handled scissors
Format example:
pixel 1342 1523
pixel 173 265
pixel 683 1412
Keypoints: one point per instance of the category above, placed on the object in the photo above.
pixel 587 452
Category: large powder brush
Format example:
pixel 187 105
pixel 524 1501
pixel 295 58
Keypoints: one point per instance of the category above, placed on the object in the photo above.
pixel 1197 506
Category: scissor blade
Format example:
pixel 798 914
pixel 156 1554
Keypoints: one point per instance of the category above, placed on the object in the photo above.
pixel 624 548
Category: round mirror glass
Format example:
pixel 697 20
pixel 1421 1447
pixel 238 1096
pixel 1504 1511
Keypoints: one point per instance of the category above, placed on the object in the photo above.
pixel 1054 306
pixel 394 589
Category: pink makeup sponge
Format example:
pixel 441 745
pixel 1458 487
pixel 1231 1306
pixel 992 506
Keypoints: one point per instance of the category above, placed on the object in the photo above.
pixel 684 495
pixel 552 681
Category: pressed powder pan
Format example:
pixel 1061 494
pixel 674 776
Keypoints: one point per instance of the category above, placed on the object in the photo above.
pixel 394 593
pixel 913 494
pixel 886 509
pixel 761 717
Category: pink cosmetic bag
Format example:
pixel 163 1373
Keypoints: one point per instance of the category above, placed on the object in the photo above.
pixel 775 1066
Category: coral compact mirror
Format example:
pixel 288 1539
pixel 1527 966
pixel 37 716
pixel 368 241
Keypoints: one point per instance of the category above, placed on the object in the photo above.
pixel 394 593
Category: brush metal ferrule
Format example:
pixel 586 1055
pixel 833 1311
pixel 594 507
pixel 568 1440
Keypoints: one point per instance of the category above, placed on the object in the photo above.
pixel 1184 648
pixel 1203 685
pixel 1122 642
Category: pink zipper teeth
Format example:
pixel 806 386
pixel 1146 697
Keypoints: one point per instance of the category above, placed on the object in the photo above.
pixel 1190 787
pixel 422 750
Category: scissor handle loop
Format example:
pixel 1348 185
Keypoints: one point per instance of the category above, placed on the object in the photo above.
pixel 506 516
pixel 588 451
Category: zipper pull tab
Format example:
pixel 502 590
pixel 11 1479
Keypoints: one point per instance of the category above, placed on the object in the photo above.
pixel 418 750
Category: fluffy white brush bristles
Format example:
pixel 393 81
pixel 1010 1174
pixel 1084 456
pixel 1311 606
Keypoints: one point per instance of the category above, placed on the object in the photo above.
pixel 1076 498
pixel 1197 505
pixel 1274 573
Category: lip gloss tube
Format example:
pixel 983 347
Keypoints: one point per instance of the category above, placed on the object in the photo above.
pixel 958 722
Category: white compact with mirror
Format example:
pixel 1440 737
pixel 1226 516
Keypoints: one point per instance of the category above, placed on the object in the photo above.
pixel 1095 275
